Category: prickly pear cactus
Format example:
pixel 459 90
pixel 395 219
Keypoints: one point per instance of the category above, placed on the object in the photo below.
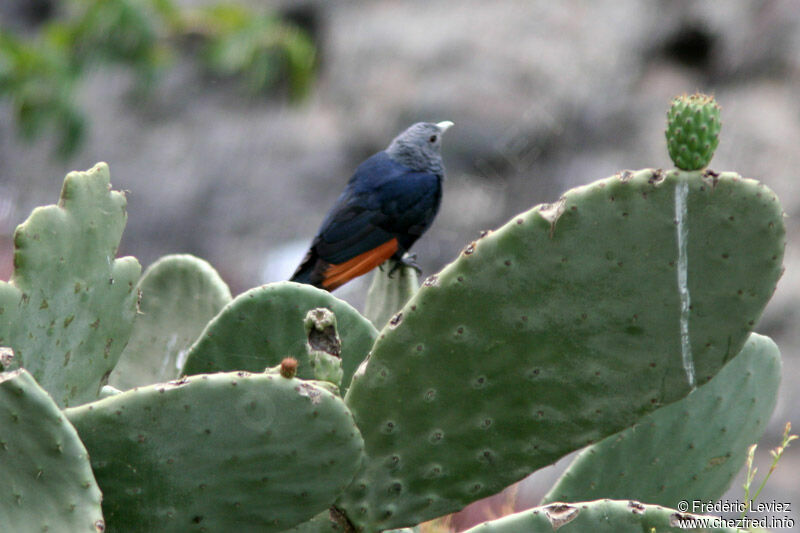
pixel 693 126
pixel 690 450
pixel 601 516
pixel 69 307
pixel 253 452
pixel 263 325
pixel 388 293
pixel 47 482
pixel 562 327
pixel 179 295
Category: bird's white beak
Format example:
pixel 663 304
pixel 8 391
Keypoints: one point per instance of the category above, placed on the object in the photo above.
pixel 443 126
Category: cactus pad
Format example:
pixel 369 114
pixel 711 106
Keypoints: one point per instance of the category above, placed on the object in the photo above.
pixel 387 294
pixel 693 126
pixel 601 516
pixel 690 450
pixel 562 327
pixel 263 325
pixel 69 307
pixel 47 482
pixel 220 452
pixel 180 294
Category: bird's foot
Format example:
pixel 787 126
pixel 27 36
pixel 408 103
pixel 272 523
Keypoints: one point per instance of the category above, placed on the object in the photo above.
pixel 409 260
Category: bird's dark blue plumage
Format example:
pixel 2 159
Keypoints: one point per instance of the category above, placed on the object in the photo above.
pixel 388 203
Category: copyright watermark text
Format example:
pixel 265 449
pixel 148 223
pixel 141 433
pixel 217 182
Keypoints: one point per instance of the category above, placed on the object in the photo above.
pixel 772 514
pixel 733 506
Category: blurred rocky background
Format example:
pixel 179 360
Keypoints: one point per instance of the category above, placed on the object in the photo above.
pixel 545 96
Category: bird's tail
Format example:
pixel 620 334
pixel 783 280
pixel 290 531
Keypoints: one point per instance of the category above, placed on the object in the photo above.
pixel 301 276
pixel 321 274
pixel 305 272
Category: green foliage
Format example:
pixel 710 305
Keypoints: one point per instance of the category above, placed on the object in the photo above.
pixel 48 483
pixel 114 31
pixel 39 81
pixel 259 451
pixel 68 309
pixel 690 450
pixel 40 76
pixel 258 47
pixel 179 295
pixel 776 454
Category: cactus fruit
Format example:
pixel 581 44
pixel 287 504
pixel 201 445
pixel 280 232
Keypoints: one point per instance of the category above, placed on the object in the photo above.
pixel 564 326
pixel 47 482
pixel 693 126
pixel 69 307
pixel 389 291
pixel 288 368
pixel 690 450
pixel 260 452
pixel 263 325
pixel 600 516
pixel 179 295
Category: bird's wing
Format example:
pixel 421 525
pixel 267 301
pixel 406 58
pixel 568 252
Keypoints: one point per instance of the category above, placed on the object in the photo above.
pixel 384 208
pixel 383 201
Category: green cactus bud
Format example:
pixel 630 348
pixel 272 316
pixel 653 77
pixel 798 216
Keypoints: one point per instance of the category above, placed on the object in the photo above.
pixel 693 126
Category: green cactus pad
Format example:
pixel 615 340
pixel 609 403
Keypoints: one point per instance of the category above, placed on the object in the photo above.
pixel 564 326
pixel 693 126
pixel 219 452
pixel 69 307
pixel 180 294
pixel 601 516
pixel 47 482
pixel 263 325
pixel 690 450
pixel 387 294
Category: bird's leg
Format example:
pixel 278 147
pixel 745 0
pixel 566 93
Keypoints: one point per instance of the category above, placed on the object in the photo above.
pixel 409 260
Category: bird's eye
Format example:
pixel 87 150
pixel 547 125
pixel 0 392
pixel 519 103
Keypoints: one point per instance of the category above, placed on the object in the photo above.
pixel 432 139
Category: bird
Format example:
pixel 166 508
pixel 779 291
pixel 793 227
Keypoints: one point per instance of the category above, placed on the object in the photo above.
pixel 388 203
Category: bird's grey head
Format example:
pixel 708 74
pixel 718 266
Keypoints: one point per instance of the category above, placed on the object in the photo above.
pixel 419 147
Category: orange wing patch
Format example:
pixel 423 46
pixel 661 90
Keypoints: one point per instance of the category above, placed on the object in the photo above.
pixel 337 275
